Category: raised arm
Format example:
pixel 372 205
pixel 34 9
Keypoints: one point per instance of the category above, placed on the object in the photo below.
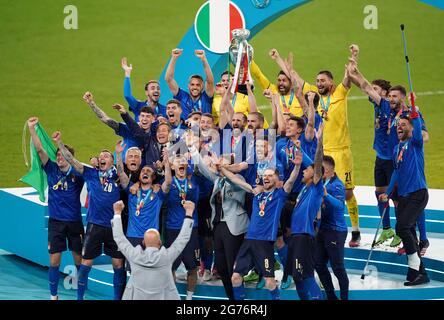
pixel 361 82
pixel 127 249
pixel 123 177
pixel 138 133
pixel 236 180
pixel 280 115
pixel 294 174
pixel 169 74
pixel 36 140
pixel 260 77
pixel 113 124
pixel 237 167
pixel 417 130
pixel 209 81
pixel 168 177
pixel 274 116
pixel 127 93
pixel 226 110
pixel 354 51
pixel 309 129
pixel 77 165
pixel 251 98
pixel 274 54
pixel 319 155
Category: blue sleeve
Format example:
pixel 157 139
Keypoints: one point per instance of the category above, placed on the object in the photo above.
pixel 423 125
pixel 417 132
pixel 306 161
pixel 132 102
pixel 182 97
pixel 280 167
pixel 123 131
pixel 282 193
pixel 49 166
pixel 393 181
pixel 161 195
pixel 385 107
pixel 89 173
pixel 137 132
pixel 336 203
pixel 208 103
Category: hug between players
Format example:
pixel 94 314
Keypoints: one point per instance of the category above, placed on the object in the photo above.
pixel 246 188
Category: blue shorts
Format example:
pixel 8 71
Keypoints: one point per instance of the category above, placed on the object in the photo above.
pixel 383 172
pixel 255 253
pixel 60 232
pixel 301 249
pixel 190 254
pixel 99 239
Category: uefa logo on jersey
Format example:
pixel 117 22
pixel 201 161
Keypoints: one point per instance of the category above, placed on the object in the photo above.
pixel 214 22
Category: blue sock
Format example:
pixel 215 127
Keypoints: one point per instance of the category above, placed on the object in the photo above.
pixel 313 289
pixel 119 281
pixel 282 253
pixel 54 277
pixel 83 281
pixel 422 226
pixel 302 290
pixel 239 292
pixel 386 220
pixel 275 295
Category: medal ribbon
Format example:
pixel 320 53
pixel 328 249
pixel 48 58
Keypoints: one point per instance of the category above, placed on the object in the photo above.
pixel 395 122
pixel 325 106
pixel 284 104
pixel 261 167
pixel 198 102
pixel 400 153
pixel 62 181
pixel 104 176
pixel 182 191
pixel 141 202
pixel 263 201
pixel 289 152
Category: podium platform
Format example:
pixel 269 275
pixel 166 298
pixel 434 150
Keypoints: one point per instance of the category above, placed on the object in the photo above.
pixel 23 232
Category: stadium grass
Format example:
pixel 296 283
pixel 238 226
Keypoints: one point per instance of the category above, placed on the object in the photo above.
pixel 45 69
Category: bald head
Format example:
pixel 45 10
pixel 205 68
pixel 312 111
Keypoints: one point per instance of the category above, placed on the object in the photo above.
pixel 152 238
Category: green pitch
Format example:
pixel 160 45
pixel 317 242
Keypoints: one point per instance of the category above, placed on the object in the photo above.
pixel 45 69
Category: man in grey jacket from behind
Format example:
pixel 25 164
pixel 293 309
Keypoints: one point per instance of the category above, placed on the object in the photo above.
pixel 229 219
pixel 151 276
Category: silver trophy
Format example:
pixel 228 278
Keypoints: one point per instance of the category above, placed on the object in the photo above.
pixel 241 54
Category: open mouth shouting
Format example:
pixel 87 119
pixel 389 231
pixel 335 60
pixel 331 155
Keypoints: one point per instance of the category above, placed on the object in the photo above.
pixel 171 116
pixel 181 170
pixel 102 164
pixel 132 165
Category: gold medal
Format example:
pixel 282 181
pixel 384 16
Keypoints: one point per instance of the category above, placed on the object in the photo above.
pixel 183 202
pixel 55 187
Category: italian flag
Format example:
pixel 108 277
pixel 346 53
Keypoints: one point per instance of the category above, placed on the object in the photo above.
pixel 214 22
